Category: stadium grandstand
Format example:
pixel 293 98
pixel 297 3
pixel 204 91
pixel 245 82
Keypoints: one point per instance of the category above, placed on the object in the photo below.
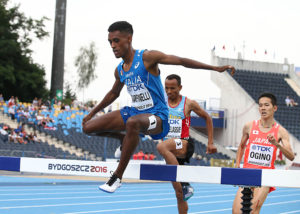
pixel 239 96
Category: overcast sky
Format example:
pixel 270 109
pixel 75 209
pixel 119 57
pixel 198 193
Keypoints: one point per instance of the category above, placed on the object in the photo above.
pixel 185 28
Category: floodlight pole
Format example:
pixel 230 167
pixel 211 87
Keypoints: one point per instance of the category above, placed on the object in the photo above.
pixel 57 75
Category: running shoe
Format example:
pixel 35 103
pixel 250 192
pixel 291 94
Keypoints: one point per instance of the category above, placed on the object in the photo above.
pixel 188 192
pixel 111 185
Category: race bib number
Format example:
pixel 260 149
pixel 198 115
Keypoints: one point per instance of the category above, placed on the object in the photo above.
pixel 175 128
pixel 140 96
pixel 260 155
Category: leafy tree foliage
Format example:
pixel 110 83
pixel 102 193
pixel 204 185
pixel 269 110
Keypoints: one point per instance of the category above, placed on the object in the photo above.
pixel 86 63
pixel 19 75
pixel 69 95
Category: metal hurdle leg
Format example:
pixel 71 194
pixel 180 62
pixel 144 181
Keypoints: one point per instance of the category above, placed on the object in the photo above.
pixel 247 194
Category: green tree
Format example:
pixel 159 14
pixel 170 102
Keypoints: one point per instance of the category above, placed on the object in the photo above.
pixel 19 75
pixel 69 95
pixel 86 63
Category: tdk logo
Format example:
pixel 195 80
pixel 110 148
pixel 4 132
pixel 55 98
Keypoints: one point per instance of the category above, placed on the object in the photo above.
pixel 174 121
pixel 136 87
pixel 261 148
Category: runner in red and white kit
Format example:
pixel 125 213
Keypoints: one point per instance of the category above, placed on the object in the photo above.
pixel 265 137
pixel 177 147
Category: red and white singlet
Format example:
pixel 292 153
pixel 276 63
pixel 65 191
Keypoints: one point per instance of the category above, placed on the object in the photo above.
pixel 260 153
pixel 179 123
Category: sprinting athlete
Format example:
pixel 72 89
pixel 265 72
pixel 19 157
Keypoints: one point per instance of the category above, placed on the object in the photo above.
pixel 177 147
pixel 264 137
pixel 148 114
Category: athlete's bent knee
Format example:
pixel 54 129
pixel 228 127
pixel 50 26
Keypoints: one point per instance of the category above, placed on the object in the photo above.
pixel 86 129
pixel 132 124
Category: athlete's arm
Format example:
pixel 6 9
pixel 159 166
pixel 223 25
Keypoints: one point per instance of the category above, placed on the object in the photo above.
pixel 153 58
pixel 111 96
pixel 194 106
pixel 242 146
pixel 286 148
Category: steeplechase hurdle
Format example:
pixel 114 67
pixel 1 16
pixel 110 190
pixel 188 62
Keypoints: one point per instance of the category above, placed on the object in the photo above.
pixel 214 175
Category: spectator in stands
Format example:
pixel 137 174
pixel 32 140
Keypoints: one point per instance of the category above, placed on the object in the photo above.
pixel 12 136
pixel 54 101
pixel 148 114
pixel 12 111
pixel 290 102
pixel 140 155
pixel 1 100
pixel 266 133
pixel 26 113
pixel 177 147
pixel 67 107
pixel 35 102
pixel 17 101
pixel 33 137
pixel 20 115
pixel 11 101
pixel 62 107
pixel 293 102
pixel 3 131
pixel 146 156
pixel 40 102
pixel 152 156
pixel 135 156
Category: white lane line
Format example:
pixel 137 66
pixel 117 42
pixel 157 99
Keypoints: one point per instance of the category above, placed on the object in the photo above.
pixel 267 204
pixel 96 190
pixel 294 211
pixel 212 211
pixel 86 197
pixel 125 187
pixel 142 208
pixel 120 191
pixel 125 209
pixel 108 196
pixel 282 202
pixel 80 204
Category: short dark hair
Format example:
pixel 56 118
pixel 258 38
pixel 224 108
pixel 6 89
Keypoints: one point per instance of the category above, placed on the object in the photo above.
pixel 121 26
pixel 174 76
pixel 269 95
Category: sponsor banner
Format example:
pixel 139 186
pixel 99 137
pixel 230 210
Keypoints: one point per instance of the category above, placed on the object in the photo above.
pixel 213 113
pixel 76 167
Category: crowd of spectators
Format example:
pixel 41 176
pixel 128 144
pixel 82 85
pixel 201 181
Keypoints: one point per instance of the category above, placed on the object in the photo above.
pixel 18 135
pixel 45 114
pixel 38 112
pixel 144 156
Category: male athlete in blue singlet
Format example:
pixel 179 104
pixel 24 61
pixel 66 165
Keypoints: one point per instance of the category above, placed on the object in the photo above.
pixel 177 147
pixel 149 113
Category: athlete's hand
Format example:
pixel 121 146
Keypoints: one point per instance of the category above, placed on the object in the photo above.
pixel 86 118
pixel 226 67
pixel 236 165
pixel 272 140
pixel 211 149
